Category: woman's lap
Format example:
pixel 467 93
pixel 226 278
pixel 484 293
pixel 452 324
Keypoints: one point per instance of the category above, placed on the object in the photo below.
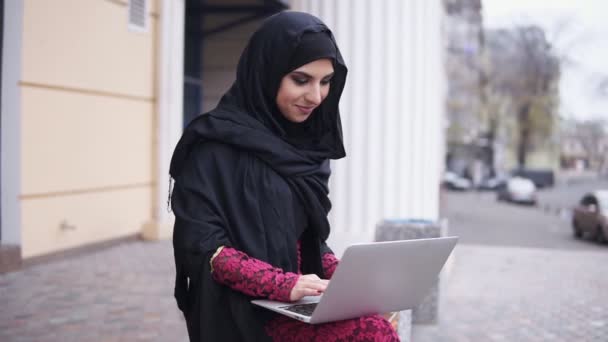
pixel 367 328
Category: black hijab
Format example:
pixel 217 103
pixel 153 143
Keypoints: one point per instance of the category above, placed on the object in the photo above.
pixel 244 147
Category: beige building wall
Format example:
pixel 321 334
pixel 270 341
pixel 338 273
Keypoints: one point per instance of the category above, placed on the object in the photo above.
pixel 88 120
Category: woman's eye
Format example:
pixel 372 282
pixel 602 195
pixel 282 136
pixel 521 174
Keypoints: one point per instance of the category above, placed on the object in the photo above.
pixel 325 82
pixel 300 81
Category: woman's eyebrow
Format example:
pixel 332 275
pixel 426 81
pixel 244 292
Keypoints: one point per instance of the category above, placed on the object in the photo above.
pixel 310 76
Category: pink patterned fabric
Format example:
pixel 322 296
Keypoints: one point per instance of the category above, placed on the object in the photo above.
pixel 256 278
pixel 330 262
pixel 368 328
pixel 251 276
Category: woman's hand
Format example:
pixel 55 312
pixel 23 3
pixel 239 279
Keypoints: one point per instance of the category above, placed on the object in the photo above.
pixel 308 285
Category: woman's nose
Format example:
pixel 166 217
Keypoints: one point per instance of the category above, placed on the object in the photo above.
pixel 314 95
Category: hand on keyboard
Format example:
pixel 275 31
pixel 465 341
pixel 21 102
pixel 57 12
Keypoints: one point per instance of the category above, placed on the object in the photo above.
pixel 308 285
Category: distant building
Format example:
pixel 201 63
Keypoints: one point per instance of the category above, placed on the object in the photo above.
pixel 572 154
pixel 584 146
pixel 464 43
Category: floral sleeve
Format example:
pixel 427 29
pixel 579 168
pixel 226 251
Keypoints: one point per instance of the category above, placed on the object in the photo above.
pixel 251 276
pixel 330 262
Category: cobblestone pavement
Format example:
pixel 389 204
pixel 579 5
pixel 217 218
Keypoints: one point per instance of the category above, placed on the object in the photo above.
pixel 488 294
pixel 522 294
pixel 121 294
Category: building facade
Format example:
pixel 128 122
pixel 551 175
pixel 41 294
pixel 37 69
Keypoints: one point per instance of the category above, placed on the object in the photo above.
pixel 464 45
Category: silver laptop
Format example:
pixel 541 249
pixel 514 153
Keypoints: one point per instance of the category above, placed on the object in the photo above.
pixel 373 278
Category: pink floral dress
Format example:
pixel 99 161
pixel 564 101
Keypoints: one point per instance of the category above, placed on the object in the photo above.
pixel 256 278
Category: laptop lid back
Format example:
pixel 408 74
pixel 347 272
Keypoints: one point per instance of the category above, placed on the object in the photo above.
pixel 383 277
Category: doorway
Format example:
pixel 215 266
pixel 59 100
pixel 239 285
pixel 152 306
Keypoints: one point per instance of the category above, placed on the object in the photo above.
pixel 214 32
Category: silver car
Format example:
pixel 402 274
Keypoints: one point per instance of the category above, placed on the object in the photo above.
pixel 518 190
pixel 591 216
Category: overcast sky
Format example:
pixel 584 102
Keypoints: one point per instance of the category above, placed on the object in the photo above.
pixel 580 28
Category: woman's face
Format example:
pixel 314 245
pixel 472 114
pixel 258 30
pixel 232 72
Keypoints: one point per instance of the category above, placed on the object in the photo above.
pixel 303 89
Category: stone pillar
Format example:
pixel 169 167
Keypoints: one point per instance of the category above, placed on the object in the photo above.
pixel 388 230
pixel 404 328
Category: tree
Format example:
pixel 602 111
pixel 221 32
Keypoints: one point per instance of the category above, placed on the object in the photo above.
pixel 522 68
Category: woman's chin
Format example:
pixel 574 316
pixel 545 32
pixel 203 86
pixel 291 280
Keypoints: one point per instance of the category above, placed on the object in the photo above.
pixel 298 118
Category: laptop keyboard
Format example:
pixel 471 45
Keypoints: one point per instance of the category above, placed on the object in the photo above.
pixel 302 309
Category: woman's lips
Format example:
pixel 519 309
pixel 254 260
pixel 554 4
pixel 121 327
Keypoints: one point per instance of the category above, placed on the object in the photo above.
pixel 305 110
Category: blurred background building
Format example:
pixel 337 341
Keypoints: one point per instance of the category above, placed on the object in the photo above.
pixel 584 146
pixel 503 98
pixel 466 144
pixel 95 95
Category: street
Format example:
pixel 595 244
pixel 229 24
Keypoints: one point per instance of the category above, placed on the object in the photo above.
pixel 518 274
pixel 565 196
pixel 479 219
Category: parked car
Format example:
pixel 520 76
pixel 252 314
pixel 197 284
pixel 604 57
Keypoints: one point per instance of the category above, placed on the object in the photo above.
pixel 453 181
pixel 518 190
pixel 493 183
pixel 591 216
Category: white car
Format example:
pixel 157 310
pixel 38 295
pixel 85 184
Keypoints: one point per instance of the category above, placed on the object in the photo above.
pixel 455 182
pixel 518 190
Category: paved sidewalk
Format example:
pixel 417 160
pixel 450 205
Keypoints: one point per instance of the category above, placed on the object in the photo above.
pixel 488 294
pixel 522 294
pixel 121 294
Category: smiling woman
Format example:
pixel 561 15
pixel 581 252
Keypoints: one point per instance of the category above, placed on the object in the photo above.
pixel 251 192
pixel 304 89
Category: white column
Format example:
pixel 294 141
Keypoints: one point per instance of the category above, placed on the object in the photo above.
pixel 11 122
pixel 340 191
pixel 392 111
pixel 170 70
pixel 390 174
pixel 357 171
pixel 375 112
pixel 436 90
pixel 405 107
pixel 417 115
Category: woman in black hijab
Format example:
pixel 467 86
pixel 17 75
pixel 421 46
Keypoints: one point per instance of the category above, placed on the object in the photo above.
pixel 251 192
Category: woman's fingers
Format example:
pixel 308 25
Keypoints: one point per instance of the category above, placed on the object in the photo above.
pixel 297 294
pixel 313 280
pixel 310 276
pixel 317 284
pixel 308 285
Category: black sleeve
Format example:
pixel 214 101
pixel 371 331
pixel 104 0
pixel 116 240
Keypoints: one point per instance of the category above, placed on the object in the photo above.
pixel 199 224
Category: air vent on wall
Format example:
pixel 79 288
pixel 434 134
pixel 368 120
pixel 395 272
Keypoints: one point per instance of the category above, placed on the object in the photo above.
pixel 138 15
